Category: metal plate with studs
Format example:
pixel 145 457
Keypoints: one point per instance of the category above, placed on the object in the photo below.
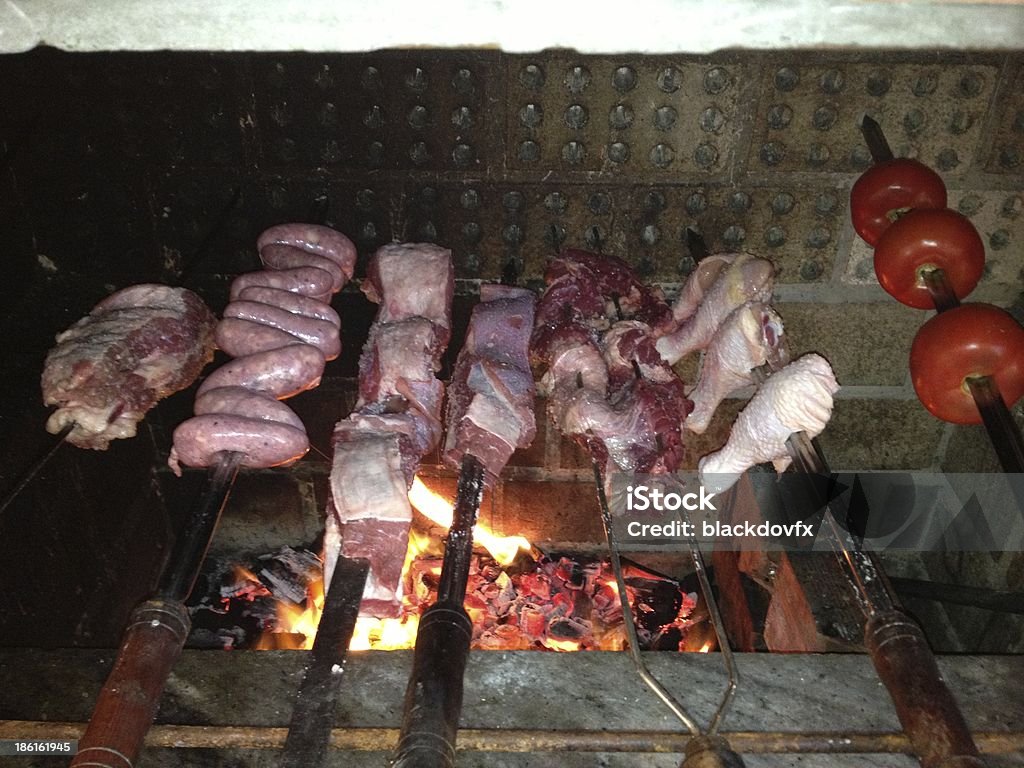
pixel 998 216
pixel 649 117
pixel 503 158
pixel 386 112
pixel 808 114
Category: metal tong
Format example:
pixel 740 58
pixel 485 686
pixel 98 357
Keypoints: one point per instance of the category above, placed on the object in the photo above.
pixel 707 749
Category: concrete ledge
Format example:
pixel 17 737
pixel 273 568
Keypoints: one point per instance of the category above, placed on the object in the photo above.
pixel 653 26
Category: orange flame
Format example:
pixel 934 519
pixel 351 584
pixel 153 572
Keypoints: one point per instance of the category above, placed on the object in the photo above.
pixel 439 509
pixel 706 648
pixel 384 634
pixel 561 645
pixel 296 620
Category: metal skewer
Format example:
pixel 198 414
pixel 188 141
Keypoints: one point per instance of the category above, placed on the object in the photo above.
pixel 59 439
pixel 433 697
pixel 874 137
pixel 154 638
pixel 1002 430
pixel 899 650
pixel 309 729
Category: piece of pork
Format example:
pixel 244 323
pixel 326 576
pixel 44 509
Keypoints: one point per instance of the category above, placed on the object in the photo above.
pixel 747 278
pixel 134 348
pixel 797 398
pixel 490 397
pixel 397 419
pixel 402 278
pixel 748 338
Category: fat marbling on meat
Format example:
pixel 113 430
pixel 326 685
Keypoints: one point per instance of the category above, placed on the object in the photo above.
pixel 797 398
pixel 135 347
pixel 490 397
pixel 396 421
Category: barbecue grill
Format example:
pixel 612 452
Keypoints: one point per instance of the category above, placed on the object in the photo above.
pixel 154 144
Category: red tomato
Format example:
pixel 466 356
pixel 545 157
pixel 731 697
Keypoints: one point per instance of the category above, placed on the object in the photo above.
pixel 924 239
pixel 888 189
pixel 971 340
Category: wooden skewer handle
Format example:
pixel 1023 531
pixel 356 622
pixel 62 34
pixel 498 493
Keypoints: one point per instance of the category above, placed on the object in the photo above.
pixel 924 704
pixel 131 695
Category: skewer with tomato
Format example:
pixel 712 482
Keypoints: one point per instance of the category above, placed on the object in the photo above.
pixel 967 362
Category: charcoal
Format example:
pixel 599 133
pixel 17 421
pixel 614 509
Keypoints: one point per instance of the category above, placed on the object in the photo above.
pixel 571 628
pixel 288 573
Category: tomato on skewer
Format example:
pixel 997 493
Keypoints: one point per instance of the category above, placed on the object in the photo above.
pixel 887 190
pixel 971 340
pixel 928 239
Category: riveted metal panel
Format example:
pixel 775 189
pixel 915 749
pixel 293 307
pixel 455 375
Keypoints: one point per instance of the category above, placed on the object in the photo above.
pixel 639 117
pixel 808 115
pixel 1005 152
pixel 796 226
pixel 377 112
pixel 998 216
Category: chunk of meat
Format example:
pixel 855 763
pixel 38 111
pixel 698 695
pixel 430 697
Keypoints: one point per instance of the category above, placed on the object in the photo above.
pixel 642 432
pixel 398 356
pixel 378 448
pixel 747 278
pixel 629 352
pixel 411 280
pixel 797 398
pixel 697 285
pixel 609 391
pixel 135 347
pixel 748 338
pixel 490 398
pixel 370 504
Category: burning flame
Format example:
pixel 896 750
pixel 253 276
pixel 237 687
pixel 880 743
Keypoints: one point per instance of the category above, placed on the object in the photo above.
pixel 439 509
pixel 384 634
pixel 295 620
pixel 556 644
pixel 706 648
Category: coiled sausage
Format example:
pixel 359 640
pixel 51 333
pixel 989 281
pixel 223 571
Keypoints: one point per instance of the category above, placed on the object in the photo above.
pixel 281 331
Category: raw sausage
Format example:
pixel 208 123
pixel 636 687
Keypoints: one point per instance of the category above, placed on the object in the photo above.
pixel 281 331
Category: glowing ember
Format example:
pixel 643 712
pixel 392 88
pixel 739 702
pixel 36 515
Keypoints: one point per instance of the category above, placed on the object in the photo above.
pixel 440 510
pixel 561 645
pixel 514 602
